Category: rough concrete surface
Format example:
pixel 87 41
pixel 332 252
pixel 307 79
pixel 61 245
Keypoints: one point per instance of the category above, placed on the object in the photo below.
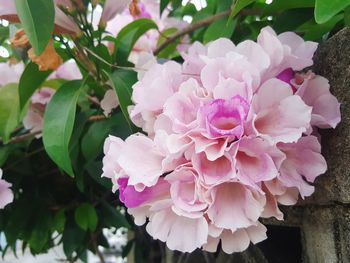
pixel 325 217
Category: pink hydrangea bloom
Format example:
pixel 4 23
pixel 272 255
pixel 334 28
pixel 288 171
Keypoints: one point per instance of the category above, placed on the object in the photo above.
pixel 228 139
pixel 6 195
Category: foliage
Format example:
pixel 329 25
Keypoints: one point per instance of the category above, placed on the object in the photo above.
pixel 60 196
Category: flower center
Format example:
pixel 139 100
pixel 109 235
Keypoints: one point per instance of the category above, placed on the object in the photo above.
pixel 224 118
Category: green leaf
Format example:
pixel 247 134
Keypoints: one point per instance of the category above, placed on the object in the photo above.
pixel 239 5
pixel 112 217
pixel 315 31
pixel 282 5
pixel 220 28
pixel 40 233
pixel 163 5
pixel 284 22
pixel 31 79
pixel 326 9
pixel 37 18
pixel 92 142
pixel 94 169
pixel 59 221
pixel 347 16
pixel 86 217
pixel 9 110
pixel 72 239
pixel 170 49
pixel 122 82
pixel 128 36
pixel 58 124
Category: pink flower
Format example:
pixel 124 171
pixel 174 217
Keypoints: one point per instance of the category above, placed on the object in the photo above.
pixel 10 73
pixel 235 206
pixel 142 170
pixel 171 228
pixel 186 192
pixel 278 115
pixel 132 198
pixel 6 195
pixel 162 80
pixel 213 172
pixel 286 50
pixel 68 70
pixel 109 102
pixel 303 164
pixel 225 117
pixel 257 160
pixel 314 90
pixel 34 119
pixel 227 141
pixel 8 10
pixel 113 7
pixel 236 241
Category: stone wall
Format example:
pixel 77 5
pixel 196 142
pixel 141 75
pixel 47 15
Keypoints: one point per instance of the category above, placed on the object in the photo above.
pixel 324 218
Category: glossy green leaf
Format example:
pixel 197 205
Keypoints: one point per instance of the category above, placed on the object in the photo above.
pixel 239 5
pixel 112 217
pixel 284 22
pixel 347 16
pixel 163 5
pixel 59 221
pixel 326 9
pixel 40 234
pixel 86 217
pixel 58 124
pixel 72 238
pixel 9 110
pixel 37 18
pixel 170 49
pixel 128 36
pixel 282 5
pixel 315 31
pixel 122 82
pixel 92 142
pixel 31 79
pixel 220 28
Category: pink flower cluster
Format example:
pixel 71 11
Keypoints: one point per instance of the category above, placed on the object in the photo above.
pixel 230 135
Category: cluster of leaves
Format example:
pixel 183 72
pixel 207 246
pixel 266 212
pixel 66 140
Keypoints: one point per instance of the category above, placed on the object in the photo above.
pixel 60 197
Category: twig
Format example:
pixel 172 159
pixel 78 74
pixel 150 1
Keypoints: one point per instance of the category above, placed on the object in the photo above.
pixel 191 28
pixel 98 252
pixel 93 100
pixel 202 23
pixel 94 118
pixel 29 135
pixel 21 138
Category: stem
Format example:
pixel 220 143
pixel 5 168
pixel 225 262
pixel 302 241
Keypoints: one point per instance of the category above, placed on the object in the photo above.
pixel 21 138
pixel 191 28
pixel 98 252
pixel 202 23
